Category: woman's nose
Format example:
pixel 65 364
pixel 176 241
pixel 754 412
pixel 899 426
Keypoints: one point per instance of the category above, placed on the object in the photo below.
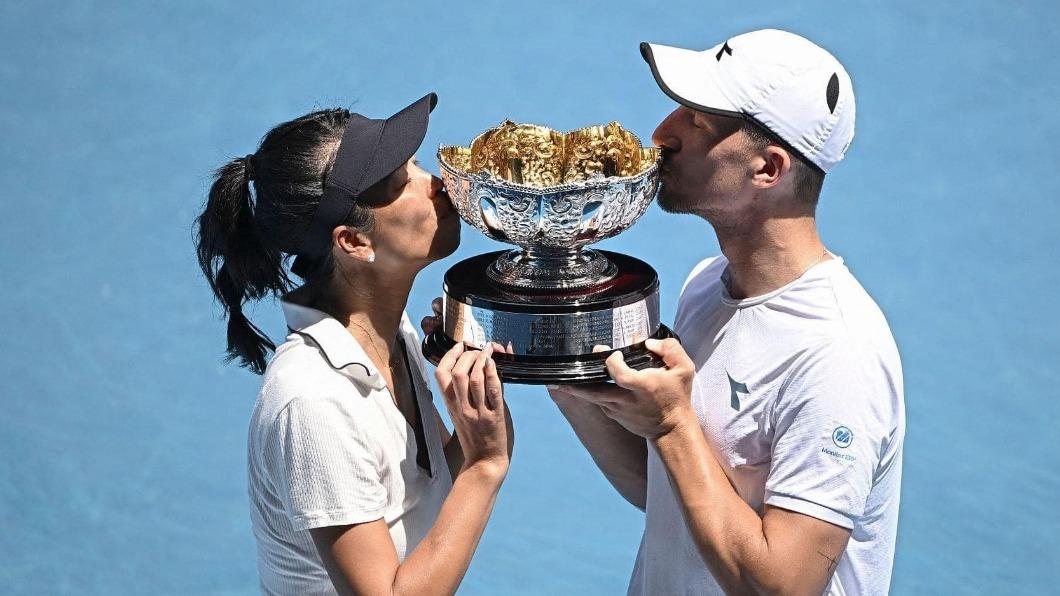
pixel 438 191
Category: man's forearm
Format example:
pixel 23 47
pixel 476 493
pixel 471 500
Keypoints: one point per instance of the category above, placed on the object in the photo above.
pixel 779 552
pixel 727 531
pixel 621 455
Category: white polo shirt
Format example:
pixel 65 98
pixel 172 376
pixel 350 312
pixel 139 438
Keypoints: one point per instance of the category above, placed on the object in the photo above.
pixel 799 392
pixel 327 446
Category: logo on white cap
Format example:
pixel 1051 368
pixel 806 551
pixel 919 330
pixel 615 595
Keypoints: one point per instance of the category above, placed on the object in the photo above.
pixel 784 82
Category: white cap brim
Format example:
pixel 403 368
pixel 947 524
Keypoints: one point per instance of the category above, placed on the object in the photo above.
pixel 689 77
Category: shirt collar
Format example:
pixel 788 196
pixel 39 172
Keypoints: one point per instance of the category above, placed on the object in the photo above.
pixel 818 270
pixel 339 348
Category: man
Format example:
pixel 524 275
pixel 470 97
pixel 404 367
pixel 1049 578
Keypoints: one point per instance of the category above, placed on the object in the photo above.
pixel 767 458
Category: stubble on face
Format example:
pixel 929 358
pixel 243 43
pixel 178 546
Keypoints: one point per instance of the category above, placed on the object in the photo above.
pixel 702 171
pixel 709 193
pixel 673 202
pixel 712 185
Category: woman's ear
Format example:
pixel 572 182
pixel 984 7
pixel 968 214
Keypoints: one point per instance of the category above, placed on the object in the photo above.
pixel 772 166
pixel 353 243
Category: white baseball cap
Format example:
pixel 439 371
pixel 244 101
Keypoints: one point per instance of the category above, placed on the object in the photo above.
pixel 784 82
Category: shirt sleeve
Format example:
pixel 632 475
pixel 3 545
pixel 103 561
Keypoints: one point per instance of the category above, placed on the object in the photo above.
pixel 698 269
pixel 326 469
pixel 829 427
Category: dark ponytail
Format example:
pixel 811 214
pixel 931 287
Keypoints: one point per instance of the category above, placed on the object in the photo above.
pixel 238 265
pixel 243 237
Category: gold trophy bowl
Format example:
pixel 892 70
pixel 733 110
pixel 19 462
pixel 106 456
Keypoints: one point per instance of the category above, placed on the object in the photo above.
pixel 552 299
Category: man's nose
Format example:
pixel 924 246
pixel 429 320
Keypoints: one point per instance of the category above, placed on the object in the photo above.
pixel 665 136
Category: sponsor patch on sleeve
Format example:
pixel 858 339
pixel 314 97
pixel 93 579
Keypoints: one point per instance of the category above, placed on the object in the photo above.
pixel 838 445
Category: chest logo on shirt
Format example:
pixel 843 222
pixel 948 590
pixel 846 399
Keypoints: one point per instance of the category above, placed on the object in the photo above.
pixel 736 388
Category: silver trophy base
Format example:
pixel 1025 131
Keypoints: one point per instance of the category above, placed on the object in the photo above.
pixel 535 270
pixel 572 370
pixel 548 335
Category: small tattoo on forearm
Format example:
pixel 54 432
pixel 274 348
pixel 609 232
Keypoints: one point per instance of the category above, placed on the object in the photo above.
pixel 833 562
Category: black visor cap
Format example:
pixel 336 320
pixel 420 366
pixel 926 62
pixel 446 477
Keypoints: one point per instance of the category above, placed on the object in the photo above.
pixel 370 151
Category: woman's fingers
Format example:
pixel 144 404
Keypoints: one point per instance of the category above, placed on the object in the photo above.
pixel 494 388
pixel 495 396
pixel 477 380
pixel 462 377
pixel 449 359
pixel 444 372
pixel 436 306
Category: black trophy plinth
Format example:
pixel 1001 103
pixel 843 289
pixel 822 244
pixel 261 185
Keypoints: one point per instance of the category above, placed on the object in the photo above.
pixel 551 333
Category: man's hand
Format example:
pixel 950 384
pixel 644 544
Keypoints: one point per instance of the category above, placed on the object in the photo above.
pixel 649 402
pixel 430 323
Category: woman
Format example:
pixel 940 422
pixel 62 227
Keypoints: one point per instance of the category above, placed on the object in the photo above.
pixel 356 486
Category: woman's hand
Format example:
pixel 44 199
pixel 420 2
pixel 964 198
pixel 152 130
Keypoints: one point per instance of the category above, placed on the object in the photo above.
pixel 474 397
pixel 361 558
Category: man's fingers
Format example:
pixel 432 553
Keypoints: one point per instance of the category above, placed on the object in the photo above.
pixel 672 353
pixel 623 375
pixel 559 392
pixel 596 393
pixel 616 366
pixel 429 324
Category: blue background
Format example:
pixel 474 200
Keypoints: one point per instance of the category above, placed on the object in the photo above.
pixel 122 434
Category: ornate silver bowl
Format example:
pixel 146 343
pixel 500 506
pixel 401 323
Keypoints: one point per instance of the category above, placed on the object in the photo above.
pixel 551 194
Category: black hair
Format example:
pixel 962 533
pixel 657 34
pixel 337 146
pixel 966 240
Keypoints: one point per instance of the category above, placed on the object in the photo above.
pixel 243 238
pixel 808 180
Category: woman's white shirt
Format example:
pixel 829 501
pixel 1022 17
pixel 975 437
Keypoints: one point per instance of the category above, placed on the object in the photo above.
pixel 327 446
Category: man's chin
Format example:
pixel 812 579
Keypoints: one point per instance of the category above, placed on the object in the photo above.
pixel 672 204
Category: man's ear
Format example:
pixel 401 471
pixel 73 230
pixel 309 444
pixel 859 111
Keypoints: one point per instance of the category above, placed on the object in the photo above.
pixel 356 244
pixel 772 165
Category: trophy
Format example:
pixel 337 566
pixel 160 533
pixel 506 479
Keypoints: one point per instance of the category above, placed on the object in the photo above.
pixel 550 301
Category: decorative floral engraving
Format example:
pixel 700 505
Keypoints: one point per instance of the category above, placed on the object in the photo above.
pixel 553 194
